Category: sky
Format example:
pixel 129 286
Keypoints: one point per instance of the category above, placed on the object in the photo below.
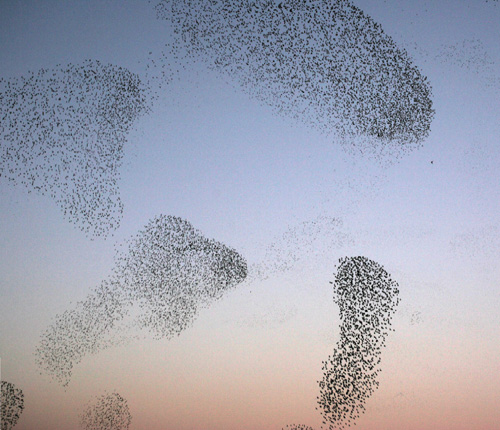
pixel 289 198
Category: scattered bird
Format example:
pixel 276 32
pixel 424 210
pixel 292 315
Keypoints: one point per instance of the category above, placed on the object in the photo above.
pixel 469 54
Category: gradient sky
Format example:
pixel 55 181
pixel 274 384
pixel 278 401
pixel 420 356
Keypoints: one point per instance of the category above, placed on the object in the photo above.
pixel 244 176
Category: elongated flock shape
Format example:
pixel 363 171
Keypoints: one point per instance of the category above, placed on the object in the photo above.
pixel 324 62
pixel 168 272
pixel 367 298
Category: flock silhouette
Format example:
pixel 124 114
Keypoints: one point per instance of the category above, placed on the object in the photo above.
pixel 324 63
pixel 367 298
pixel 62 134
pixel 168 271
pixel 107 412
pixel 11 405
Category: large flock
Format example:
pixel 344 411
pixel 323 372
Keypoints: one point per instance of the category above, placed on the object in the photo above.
pixel 167 272
pixel 325 63
pixel 367 298
pixel 62 133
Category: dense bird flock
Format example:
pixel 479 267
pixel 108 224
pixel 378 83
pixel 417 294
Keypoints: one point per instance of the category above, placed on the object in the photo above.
pixel 168 271
pixel 11 405
pixel 107 412
pixel 62 133
pixel 325 63
pixel 171 270
pixel 367 298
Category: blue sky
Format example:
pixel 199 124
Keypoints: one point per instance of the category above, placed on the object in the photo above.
pixel 243 175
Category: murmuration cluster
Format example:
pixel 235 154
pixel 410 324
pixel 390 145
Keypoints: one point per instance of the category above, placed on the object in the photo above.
pixel 165 274
pixel 107 412
pixel 62 133
pixel 11 405
pixel 325 63
pixel 367 298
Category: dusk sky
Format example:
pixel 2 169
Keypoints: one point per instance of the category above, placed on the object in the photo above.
pixel 266 185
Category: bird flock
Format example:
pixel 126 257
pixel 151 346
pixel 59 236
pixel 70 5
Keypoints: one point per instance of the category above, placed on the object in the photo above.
pixel 62 133
pixel 167 272
pixel 324 63
pixel 11 405
pixel 107 412
pixel 367 298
